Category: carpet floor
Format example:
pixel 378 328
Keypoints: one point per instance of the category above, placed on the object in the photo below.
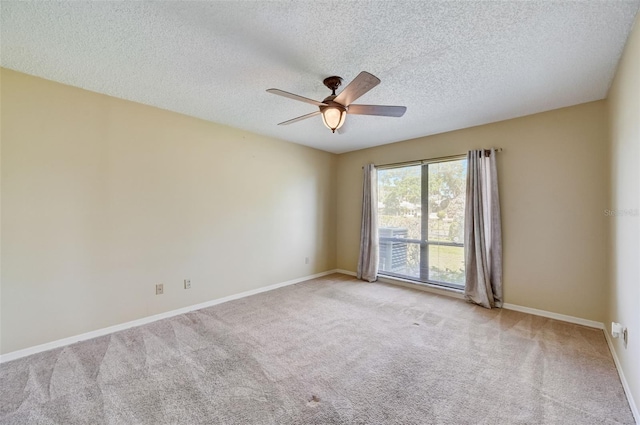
pixel 332 350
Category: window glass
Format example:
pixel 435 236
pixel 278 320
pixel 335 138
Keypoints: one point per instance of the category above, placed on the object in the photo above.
pixel 421 222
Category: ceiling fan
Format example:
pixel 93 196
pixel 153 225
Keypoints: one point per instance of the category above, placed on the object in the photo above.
pixel 334 108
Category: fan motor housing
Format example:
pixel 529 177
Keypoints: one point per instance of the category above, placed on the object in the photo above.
pixel 331 104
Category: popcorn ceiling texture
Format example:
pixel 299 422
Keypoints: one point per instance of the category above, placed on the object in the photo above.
pixel 453 64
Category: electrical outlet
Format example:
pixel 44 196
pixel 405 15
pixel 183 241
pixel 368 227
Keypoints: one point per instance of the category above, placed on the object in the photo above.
pixel 159 289
pixel 306 260
pixel 187 284
pixel 616 329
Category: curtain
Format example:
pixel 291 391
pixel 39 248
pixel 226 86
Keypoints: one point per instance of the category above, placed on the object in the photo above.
pixel 368 260
pixel 483 231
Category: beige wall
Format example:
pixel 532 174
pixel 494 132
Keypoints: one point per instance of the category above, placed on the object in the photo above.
pixel 103 198
pixel 554 188
pixel 624 108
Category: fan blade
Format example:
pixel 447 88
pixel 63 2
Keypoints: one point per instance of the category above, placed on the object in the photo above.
pixel 304 117
pixel 359 86
pixel 295 97
pixel 385 111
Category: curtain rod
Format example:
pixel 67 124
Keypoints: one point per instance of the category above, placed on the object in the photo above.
pixel 426 160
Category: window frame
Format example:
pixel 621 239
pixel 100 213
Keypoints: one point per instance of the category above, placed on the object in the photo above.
pixel 424 242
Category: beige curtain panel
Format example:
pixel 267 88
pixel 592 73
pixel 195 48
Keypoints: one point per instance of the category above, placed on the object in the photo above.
pixel 368 260
pixel 483 231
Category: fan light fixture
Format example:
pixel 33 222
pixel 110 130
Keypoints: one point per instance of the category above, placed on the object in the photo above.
pixel 334 109
pixel 333 116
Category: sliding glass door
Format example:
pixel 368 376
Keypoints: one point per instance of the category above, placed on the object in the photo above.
pixel 421 222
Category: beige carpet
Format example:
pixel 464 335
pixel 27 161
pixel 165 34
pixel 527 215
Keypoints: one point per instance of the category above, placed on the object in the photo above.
pixel 328 351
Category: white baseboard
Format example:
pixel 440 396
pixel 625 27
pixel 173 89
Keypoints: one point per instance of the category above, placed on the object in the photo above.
pixel 591 324
pixel 458 294
pixel 143 321
pixel 139 322
pixel 542 313
pixel 625 384
pixel 535 312
pixel 552 315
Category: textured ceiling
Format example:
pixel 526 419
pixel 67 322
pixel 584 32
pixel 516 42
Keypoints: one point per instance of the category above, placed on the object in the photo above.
pixel 453 64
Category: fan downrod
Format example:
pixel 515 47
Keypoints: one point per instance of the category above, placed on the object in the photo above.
pixel 333 83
